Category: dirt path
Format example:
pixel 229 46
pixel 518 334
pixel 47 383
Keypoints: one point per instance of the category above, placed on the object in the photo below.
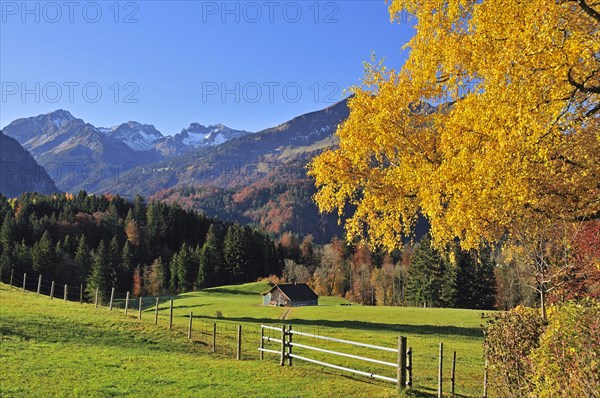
pixel 284 315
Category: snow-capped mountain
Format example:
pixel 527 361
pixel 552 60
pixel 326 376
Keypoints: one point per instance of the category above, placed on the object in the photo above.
pixel 80 154
pixel 137 136
pixel 59 138
pixel 196 136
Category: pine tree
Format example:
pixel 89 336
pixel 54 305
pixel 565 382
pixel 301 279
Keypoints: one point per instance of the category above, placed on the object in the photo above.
pixel 83 259
pixel 486 276
pixel 185 269
pixel 43 256
pixel 476 281
pixel 8 233
pixel 426 276
pixel 65 264
pixel 100 274
pixel 211 260
pixel 114 263
pixel 233 254
pixel 125 267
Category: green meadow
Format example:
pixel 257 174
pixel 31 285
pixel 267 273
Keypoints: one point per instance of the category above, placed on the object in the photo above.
pixel 65 349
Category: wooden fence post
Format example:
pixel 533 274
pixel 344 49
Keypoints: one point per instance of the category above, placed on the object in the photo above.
pixel 52 291
pixel 440 371
pixel 39 288
pixel 409 367
pixel 66 292
pixel 262 342
pixel 282 361
pixel 190 326
pixel 171 315
pixel 126 302
pixel 24 281
pixel 156 313
pixel 81 294
pixel 289 344
pixel 239 342
pixel 214 348
pixel 401 363
pixel 12 272
pixel 112 295
pixel 485 379
pixel 453 374
pixel 96 301
pixel 140 309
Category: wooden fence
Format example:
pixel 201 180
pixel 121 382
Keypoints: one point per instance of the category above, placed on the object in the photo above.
pixel 403 365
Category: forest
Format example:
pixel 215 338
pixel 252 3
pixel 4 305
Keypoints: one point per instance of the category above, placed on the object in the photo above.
pixel 104 241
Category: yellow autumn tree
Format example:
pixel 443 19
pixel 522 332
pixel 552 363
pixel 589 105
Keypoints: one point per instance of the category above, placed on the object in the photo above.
pixel 491 127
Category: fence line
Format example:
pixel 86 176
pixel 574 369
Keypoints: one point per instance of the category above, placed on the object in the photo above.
pixel 221 332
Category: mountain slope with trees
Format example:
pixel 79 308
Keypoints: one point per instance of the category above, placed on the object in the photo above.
pixel 104 242
pixel 19 172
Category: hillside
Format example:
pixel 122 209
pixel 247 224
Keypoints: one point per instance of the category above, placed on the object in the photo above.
pixel 133 357
pixel 278 202
pixel 20 172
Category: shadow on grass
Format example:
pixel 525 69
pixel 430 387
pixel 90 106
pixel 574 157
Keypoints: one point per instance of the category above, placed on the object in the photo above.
pixel 106 333
pixel 359 325
pixel 230 290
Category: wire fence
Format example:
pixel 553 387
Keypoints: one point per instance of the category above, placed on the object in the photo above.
pixel 239 340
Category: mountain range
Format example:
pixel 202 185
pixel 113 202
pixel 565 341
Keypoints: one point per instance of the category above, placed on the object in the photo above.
pixel 258 178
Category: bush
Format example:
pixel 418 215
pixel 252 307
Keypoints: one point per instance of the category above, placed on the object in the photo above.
pixel 509 338
pixel 568 357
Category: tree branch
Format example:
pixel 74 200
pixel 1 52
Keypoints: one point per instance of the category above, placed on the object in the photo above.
pixel 581 86
pixel 588 9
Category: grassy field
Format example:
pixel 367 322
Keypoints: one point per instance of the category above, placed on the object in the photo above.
pixel 53 348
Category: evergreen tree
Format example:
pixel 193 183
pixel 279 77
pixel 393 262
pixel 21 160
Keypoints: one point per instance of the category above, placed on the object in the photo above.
pixel 476 281
pixel 100 275
pixel 65 264
pixel 139 210
pixel 185 269
pixel 125 267
pixel 113 257
pixel 43 256
pixel 8 233
pixel 426 276
pixel 174 272
pixel 210 271
pixel 486 277
pixel 234 254
pixel 83 259
pixel 21 258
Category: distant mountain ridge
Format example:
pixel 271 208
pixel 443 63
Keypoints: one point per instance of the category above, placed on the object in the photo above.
pixel 239 161
pixel 86 155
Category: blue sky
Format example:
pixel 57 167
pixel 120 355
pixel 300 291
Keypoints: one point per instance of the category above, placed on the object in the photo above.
pixel 247 64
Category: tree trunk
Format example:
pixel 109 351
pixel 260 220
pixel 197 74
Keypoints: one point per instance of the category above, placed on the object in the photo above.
pixel 543 301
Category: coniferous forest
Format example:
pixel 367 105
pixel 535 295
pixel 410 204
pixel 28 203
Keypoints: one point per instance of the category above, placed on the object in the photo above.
pixel 104 241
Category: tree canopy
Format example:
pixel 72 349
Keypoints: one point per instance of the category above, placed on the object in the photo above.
pixel 491 126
